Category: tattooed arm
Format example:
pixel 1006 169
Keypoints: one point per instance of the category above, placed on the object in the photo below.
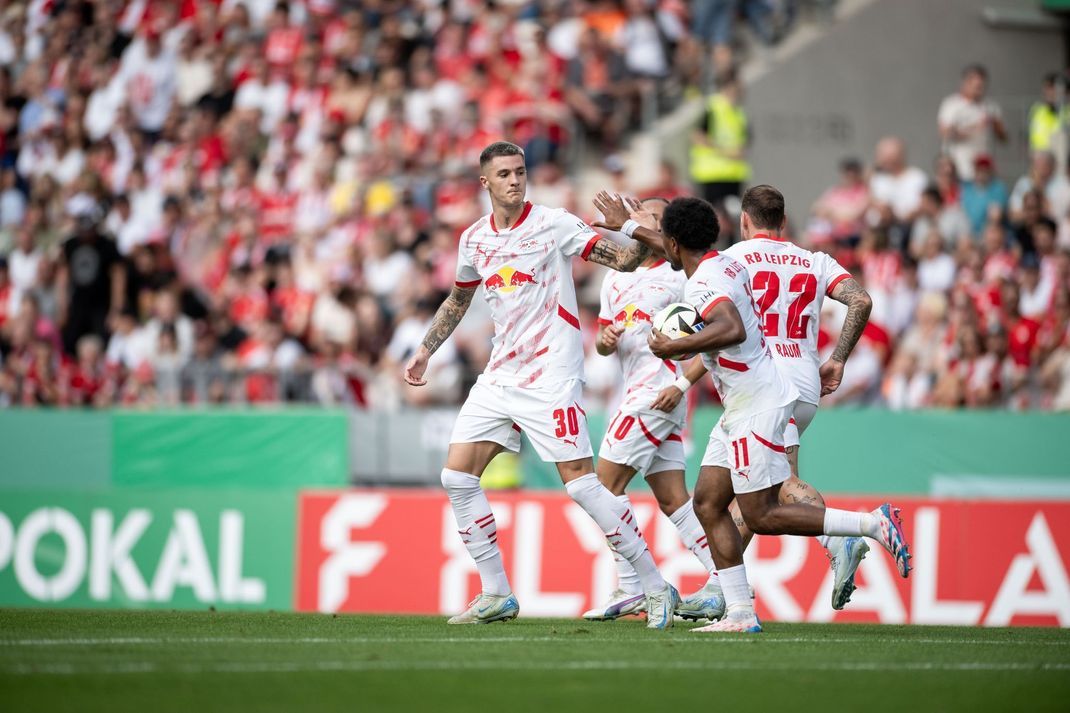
pixel 858 304
pixel 616 212
pixel 623 258
pixel 447 318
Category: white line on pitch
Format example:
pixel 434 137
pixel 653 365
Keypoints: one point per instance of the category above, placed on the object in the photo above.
pixel 566 638
pixel 71 669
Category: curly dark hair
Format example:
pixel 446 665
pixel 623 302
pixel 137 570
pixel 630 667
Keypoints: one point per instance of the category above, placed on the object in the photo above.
pixel 692 223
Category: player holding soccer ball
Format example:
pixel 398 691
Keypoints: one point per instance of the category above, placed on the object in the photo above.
pixel 746 457
pixel 521 254
pixel 789 283
pixel 644 436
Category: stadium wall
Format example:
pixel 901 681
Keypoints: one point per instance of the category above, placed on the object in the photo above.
pixel 808 110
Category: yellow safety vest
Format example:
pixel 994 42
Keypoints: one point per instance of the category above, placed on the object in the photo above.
pixel 503 472
pixel 1043 123
pixel 729 131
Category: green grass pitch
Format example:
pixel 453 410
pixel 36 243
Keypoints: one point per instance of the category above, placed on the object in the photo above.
pixel 207 661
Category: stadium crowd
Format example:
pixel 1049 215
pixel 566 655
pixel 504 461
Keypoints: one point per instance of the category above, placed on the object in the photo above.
pixel 243 201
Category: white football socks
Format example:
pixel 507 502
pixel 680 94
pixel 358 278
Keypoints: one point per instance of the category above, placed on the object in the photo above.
pixel 851 524
pixel 627 578
pixel 693 536
pixel 475 523
pixel 618 523
pixel 735 587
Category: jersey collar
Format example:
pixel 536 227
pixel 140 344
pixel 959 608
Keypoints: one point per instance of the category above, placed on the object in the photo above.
pixel 767 236
pixel 708 256
pixel 521 219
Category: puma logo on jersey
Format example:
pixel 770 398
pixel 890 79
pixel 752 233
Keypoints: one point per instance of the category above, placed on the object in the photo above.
pixel 570 441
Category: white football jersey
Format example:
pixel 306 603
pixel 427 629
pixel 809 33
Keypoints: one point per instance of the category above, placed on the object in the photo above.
pixel 789 284
pixel 745 374
pixel 526 273
pixel 630 300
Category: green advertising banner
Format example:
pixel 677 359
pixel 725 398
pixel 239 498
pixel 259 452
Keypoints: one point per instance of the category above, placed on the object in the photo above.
pixel 177 549
pixel 227 448
pixel 250 449
pixel 866 451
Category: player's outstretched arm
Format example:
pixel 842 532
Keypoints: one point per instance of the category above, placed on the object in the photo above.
pixel 446 319
pixel 618 257
pixel 724 328
pixel 859 304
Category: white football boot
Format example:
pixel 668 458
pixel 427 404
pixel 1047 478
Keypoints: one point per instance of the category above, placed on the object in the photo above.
pixel 706 603
pixel 486 608
pixel 620 604
pixel 741 620
pixel 661 608
pixel 846 553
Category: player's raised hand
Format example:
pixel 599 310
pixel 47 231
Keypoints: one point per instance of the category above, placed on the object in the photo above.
pixel 613 210
pixel 668 399
pixel 611 336
pixel 831 375
pixel 414 370
pixel 641 215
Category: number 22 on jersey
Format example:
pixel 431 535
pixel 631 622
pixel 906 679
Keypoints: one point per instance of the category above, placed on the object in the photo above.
pixel 803 284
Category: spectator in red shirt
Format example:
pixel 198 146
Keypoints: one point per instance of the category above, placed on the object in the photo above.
pixel 284 40
pixel 1021 331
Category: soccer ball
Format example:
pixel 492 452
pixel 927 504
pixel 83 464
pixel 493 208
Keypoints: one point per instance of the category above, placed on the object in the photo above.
pixel 677 320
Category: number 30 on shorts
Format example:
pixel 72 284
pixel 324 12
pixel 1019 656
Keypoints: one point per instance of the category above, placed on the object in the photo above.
pixel 566 417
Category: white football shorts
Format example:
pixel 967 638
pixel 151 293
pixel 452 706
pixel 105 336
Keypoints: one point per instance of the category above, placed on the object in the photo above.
pixel 752 449
pixel 800 421
pixel 553 419
pixel 644 438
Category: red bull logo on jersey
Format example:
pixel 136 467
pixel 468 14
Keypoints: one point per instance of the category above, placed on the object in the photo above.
pixel 631 316
pixel 507 279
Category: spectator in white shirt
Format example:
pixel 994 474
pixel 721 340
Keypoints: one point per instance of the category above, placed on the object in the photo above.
pixel 1041 175
pixel 150 79
pixel 936 269
pixel 948 221
pixel 12 200
pixel 896 187
pixel 23 267
pixel 968 120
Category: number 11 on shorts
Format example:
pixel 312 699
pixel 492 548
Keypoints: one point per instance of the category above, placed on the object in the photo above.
pixel 742 455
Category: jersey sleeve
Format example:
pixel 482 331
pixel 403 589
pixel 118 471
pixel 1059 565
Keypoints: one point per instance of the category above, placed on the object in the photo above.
pixel 605 314
pixel 830 272
pixel 573 236
pixel 467 275
pixel 705 293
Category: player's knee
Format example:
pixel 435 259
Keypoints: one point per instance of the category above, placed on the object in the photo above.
pixel 705 506
pixel 454 481
pixel 671 502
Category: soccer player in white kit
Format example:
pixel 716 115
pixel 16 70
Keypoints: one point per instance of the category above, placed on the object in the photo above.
pixel 642 437
pixel 789 284
pixel 522 256
pixel 746 457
